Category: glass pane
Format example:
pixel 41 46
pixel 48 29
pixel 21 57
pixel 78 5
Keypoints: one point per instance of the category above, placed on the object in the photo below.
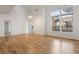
pixel 67 16
pixel 55 12
pixel 56 24
pixel 67 11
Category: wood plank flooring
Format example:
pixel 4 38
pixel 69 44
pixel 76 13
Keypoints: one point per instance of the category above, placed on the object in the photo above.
pixel 37 44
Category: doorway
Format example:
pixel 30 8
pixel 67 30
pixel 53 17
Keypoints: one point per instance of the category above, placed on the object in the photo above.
pixel 7 28
pixel 31 27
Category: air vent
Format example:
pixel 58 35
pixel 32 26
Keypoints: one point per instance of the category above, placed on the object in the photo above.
pixel 36 10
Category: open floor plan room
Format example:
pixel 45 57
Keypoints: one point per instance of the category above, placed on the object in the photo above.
pixel 39 29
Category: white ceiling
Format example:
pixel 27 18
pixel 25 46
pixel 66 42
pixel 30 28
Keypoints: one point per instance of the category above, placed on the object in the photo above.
pixel 31 8
pixel 5 9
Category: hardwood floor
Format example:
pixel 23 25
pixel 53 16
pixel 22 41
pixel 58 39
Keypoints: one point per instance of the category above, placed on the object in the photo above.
pixel 37 44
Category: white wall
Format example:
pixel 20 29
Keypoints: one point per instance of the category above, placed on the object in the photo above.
pixel 18 20
pixel 73 35
pixel 2 24
pixel 39 22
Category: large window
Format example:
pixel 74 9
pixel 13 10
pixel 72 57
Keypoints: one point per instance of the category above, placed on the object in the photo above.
pixel 62 19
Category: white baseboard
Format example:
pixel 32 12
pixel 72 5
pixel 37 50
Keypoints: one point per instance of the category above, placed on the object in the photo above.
pixel 64 37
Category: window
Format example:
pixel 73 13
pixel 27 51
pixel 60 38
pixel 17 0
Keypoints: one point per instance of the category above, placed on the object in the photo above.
pixel 62 19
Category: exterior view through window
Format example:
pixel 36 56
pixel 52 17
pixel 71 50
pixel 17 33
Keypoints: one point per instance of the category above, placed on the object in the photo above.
pixel 62 19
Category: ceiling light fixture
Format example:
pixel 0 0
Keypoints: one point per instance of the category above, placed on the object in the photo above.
pixel 30 17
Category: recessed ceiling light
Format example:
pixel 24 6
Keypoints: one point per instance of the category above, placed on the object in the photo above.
pixel 30 17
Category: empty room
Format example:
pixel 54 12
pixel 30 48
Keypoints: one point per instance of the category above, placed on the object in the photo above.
pixel 39 29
